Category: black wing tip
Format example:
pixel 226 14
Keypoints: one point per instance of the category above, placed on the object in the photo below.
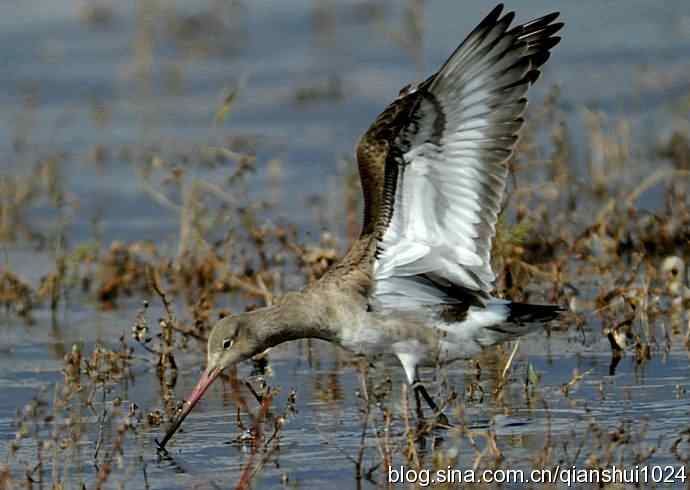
pixel 543 20
pixel 533 75
pixel 494 17
pixel 550 42
pixel 557 26
pixel 508 18
pixel 548 18
pixel 545 32
pixel 537 33
pixel 490 20
pixel 540 37
pixel 495 12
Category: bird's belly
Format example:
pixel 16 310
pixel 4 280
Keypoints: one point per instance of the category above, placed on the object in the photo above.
pixel 365 341
pixel 429 348
pixel 424 340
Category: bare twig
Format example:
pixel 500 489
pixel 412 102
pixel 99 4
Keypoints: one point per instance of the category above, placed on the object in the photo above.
pixel 509 363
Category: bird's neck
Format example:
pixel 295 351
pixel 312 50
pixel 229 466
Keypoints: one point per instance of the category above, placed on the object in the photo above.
pixel 297 316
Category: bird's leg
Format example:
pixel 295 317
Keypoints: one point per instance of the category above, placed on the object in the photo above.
pixel 416 386
pixel 418 400
pixel 420 390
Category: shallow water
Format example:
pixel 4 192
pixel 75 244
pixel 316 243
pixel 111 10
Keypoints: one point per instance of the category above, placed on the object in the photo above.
pixel 157 93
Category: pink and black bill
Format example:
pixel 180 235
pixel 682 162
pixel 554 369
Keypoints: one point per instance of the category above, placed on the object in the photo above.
pixel 205 381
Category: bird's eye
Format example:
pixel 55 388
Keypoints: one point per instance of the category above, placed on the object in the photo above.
pixel 227 343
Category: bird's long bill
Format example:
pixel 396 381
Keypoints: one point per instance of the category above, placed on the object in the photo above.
pixel 204 382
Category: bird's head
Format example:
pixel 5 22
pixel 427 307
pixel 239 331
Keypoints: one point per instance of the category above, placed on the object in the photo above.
pixel 236 338
pixel 233 339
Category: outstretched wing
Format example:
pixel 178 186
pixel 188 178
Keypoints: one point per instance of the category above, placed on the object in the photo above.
pixel 433 166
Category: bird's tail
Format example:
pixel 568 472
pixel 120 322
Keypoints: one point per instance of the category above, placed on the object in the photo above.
pixel 522 313
pixel 499 321
pixel 504 320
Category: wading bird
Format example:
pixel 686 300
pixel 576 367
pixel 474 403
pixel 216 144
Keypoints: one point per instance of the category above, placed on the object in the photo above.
pixel 433 166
